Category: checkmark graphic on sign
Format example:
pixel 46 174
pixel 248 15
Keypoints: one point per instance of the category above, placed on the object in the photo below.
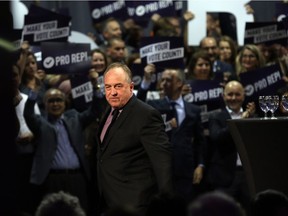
pixel 48 62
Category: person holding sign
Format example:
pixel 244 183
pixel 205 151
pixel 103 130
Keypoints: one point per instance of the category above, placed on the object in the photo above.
pixel 249 58
pixel 200 67
pixel 225 172
pixel 59 161
pixel 184 127
pixel 30 81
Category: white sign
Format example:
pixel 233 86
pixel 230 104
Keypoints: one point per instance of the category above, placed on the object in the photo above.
pixel 197 26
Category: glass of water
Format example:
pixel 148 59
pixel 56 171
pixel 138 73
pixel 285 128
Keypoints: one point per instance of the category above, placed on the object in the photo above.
pixel 263 103
pixel 284 102
pixel 273 104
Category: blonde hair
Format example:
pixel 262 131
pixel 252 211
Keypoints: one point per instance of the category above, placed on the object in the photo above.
pixel 256 51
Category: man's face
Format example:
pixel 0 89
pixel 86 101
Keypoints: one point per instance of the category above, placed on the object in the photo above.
pixel 117 51
pixel 55 103
pixel 113 30
pixel 169 83
pixel 118 88
pixel 234 96
pixel 210 46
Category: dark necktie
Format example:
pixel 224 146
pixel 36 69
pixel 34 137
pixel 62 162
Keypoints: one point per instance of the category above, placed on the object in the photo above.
pixel 106 127
pixel 174 111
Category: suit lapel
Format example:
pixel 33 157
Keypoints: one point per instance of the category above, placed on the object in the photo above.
pixel 119 121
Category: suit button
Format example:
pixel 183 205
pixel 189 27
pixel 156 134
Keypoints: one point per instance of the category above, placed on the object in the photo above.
pixel 101 161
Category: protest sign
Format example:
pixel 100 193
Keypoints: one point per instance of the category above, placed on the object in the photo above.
pixel 43 25
pixel 266 32
pixel 102 10
pixel 263 81
pixel 82 91
pixel 162 51
pixel 208 95
pixel 63 58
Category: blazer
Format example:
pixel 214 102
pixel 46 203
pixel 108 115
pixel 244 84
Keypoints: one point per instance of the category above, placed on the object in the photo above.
pixel 188 141
pixel 135 161
pixel 223 161
pixel 46 138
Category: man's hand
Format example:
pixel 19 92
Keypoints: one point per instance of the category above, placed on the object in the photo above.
pixel 149 70
pixel 188 15
pixel 198 175
pixel 250 110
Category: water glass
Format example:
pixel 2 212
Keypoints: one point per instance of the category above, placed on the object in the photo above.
pixel 284 102
pixel 273 104
pixel 263 100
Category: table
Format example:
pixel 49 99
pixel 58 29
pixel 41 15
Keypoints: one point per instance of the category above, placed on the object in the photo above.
pixel 263 148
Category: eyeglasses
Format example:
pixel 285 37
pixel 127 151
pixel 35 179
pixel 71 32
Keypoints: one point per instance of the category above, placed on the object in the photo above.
pixel 55 100
pixel 249 56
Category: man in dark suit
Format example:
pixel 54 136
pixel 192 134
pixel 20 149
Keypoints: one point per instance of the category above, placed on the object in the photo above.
pixel 186 134
pixel 134 154
pixel 59 162
pixel 226 173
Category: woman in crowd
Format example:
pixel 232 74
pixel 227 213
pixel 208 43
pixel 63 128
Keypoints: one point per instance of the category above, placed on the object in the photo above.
pixel 249 58
pixel 200 67
pixel 30 81
pixel 227 50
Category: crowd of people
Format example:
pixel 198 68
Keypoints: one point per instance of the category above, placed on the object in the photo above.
pixel 128 154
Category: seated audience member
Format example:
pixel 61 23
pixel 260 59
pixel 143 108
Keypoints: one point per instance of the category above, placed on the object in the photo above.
pixel 60 204
pixel 226 172
pixel 215 204
pixel 269 203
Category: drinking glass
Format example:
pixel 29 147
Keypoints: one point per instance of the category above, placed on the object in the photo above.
pixel 284 101
pixel 263 105
pixel 273 103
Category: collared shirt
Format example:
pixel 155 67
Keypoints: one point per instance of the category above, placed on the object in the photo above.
pixel 233 114
pixel 179 108
pixel 65 156
pixel 108 122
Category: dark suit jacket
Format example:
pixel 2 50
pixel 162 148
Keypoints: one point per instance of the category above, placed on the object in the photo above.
pixel 46 138
pixel 223 162
pixel 188 140
pixel 135 162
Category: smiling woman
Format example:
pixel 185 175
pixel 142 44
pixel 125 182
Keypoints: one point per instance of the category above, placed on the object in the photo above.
pixel 249 58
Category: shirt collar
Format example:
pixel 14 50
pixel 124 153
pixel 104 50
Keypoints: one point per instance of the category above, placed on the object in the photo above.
pixel 233 114
pixel 178 101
